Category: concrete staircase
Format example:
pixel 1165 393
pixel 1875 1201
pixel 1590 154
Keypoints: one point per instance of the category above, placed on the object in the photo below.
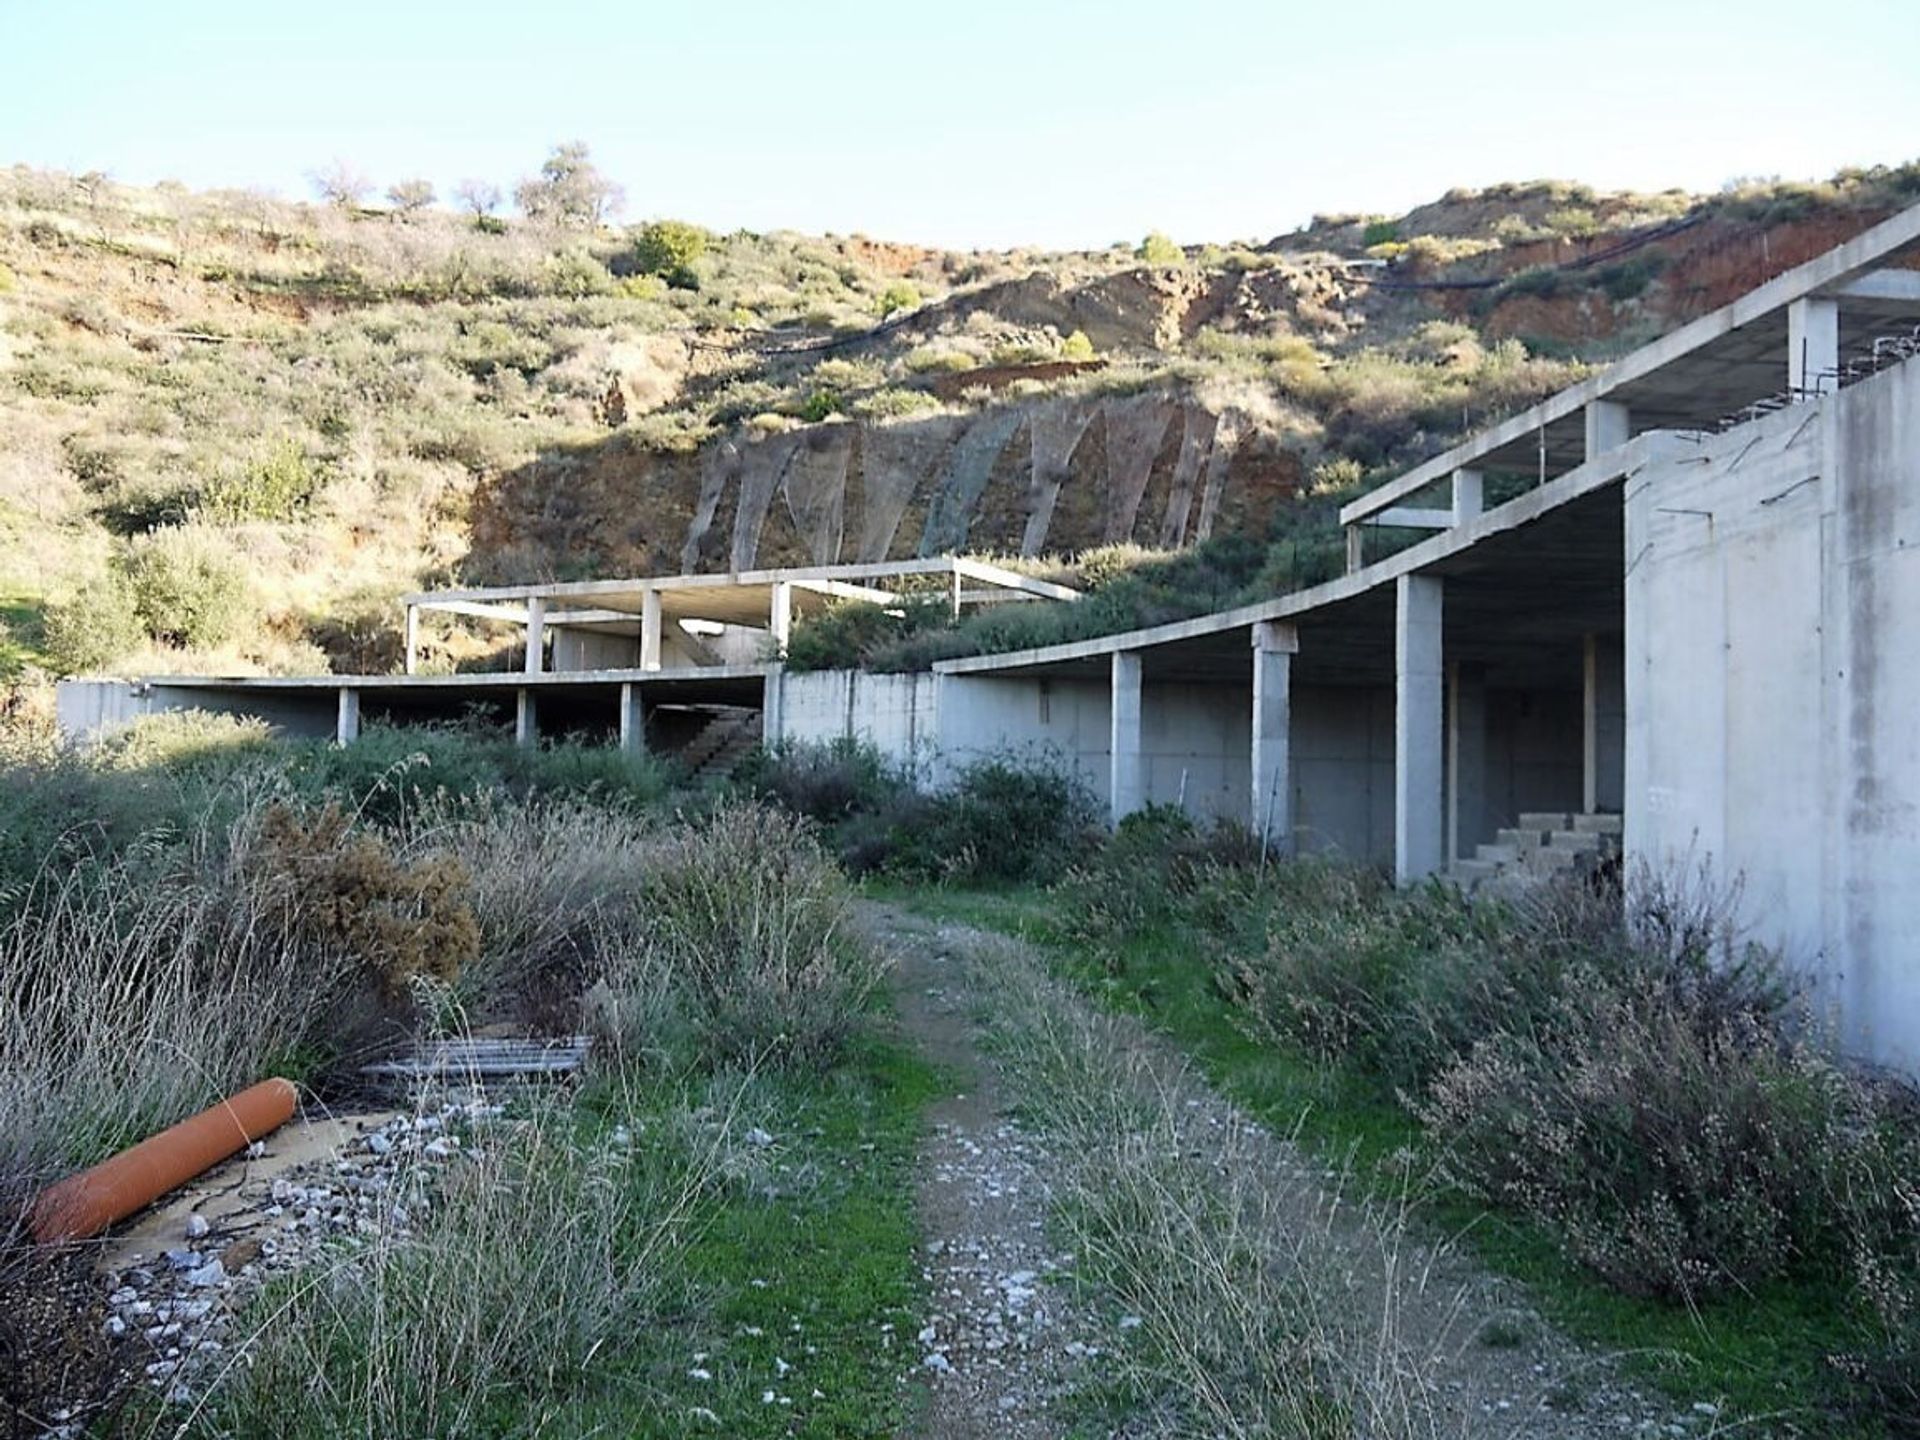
pixel 1545 844
pixel 723 742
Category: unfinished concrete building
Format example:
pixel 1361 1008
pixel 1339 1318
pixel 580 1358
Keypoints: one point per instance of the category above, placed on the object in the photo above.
pixel 1675 608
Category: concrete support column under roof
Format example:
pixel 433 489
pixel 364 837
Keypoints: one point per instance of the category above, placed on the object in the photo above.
pixel 633 719
pixel 536 633
pixel 1128 788
pixel 526 718
pixel 1419 739
pixel 1609 426
pixel 650 624
pixel 1813 346
pixel 1604 731
pixel 780 616
pixel 1466 759
pixel 412 662
pixel 772 697
pixel 346 724
pixel 1274 645
pixel 1468 496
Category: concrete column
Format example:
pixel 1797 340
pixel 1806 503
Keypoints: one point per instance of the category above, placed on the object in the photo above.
pixel 1274 646
pixel 346 725
pixel 633 719
pixel 1813 346
pixel 1129 772
pixel 1466 759
pixel 957 583
pixel 526 718
pixel 536 633
pixel 780 620
pixel 772 706
pixel 1356 549
pixel 1608 426
pixel 1468 490
pixel 1604 733
pixel 650 623
pixel 1419 746
pixel 413 639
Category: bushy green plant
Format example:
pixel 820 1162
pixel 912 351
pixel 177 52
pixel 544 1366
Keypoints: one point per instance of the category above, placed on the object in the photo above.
pixel 94 626
pixel 1158 250
pixel 274 486
pixel 1380 232
pixel 668 248
pixel 898 296
pixel 188 587
pixel 1076 347
pixel 1012 821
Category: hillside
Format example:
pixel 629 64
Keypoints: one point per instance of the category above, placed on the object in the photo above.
pixel 236 427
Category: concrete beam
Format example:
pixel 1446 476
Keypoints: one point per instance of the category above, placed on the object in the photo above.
pixel 1274 645
pixel 346 725
pixel 1876 288
pixel 1409 517
pixel 536 635
pixel 1603 739
pixel 1466 759
pixel 1609 426
pixel 633 719
pixel 1813 347
pixel 526 717
pixel 650 630
pixel 1469 491
pixel 1129 771
pixel 1419 748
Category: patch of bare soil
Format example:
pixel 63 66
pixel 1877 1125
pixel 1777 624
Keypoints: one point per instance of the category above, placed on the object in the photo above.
pixel 1489 1364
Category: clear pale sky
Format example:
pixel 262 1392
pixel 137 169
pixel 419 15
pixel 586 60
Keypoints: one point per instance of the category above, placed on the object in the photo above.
pixel 990 123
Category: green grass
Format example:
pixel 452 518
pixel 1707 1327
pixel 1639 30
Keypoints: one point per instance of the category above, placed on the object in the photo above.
pixel 1760 1355
pixel 805 1269
pixel 21 632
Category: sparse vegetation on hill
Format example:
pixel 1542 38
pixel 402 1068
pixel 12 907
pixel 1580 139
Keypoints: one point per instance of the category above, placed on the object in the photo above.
pixel 336 403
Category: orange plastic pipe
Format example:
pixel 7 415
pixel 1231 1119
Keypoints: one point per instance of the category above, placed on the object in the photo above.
pixel 83 1205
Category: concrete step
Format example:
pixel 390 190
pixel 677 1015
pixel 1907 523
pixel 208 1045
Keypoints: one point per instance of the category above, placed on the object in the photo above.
pixel 1498 854
pixel 1576 840
pixel 1521 840
pixel 1467 872
pixel 1598 824
pixel 1545 820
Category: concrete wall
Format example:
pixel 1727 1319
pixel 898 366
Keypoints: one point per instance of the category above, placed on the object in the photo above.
pixel 898 714
pixel 88 709
pixel 1773 689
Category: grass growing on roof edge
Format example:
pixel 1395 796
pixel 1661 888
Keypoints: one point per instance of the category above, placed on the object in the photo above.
pixel 1761 1356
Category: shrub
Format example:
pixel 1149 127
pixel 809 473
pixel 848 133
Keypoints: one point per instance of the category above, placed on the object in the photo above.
pixel 93 627
pixel 345 893
pixel 825 783
pixel 275 486
pixel 668 248
pixel 897 296
pixel 7 281
pixel 1076 347
pixel 187 587
pixel 569 190
pixel 1380 232
pixel 1000 821
pixel 1158 250
pixel 748 919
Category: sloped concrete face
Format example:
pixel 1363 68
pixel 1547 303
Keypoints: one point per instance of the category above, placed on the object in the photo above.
pixel 762 467
pixel 815 486
pixel 957 500
pixel 1135 430
pixel 1196 445
pixel 1773 589
pixel 1056 432
pixel 894 461
pixel 719 468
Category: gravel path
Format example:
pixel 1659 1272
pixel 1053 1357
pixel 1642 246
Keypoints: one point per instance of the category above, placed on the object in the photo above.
pixel 1003 1339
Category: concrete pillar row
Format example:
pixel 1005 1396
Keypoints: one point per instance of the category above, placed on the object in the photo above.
pixel 650 626
pixel 1609 426
pixel 1813 347
pixel 526 717
pixel 346 725
pixel 633 719
pixel 1419 739
pixel 1466 760
pixel 1274 645
pixel 1127 791
pixel 1603 739
pixel 536 633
